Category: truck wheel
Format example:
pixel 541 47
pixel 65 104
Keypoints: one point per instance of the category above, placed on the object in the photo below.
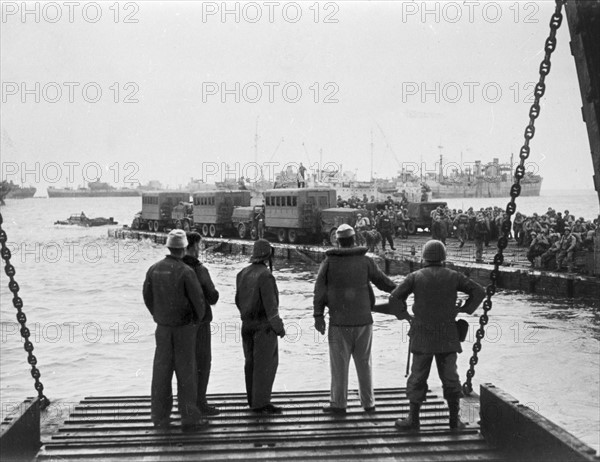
pixel 178 225
pixel 332 237
pixel 186 226
pixel 212 230
pixel 150 226
pixel 205 230
pixel 411 228
pixel 292 236
pixel 156 226
pixel 282 235
pixel 254 233
pixel 242 231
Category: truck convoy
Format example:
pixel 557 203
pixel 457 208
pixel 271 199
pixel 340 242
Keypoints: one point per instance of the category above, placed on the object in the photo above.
pixel 287 214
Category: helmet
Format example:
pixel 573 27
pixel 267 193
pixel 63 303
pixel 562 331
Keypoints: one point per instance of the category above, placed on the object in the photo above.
pixel 434 251
pixel 344 231
pixel 261 251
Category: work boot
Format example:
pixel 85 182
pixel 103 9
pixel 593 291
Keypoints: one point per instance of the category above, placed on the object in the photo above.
pixel 412 421
pixel 454 406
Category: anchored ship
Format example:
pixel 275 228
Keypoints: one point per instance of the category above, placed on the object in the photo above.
pixel 10 190
pixel 94 189
pixel 490 180
pixel 20 192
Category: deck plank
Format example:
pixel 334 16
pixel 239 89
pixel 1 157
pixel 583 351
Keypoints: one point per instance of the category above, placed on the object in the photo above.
pixel 119 428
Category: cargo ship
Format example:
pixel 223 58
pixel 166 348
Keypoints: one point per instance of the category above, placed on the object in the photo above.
pixel 490 180
pixel 19 192
pixel 94 189
pixel 10 190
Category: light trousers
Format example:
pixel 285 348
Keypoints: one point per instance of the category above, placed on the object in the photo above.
pixel 355 342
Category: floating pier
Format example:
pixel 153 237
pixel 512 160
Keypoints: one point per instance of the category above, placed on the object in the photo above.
pixel 516 273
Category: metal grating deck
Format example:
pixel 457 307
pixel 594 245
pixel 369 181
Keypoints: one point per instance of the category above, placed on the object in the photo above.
pixel 119 429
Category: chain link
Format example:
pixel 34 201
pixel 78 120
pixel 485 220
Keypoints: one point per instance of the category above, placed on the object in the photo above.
pixel 515 191
pixel 9 269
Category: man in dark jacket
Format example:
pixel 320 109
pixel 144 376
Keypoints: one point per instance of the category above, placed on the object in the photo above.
pixel 461 221
pixel 174 297
pixel 386 228
pixel 203 340
pixel 257 298
pixel 433 330
pixel 343 285
pixel 480 233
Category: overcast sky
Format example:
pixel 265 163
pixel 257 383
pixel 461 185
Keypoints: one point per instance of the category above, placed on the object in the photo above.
pixel 312 76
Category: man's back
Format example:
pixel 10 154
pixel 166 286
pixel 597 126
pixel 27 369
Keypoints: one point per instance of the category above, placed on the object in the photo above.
pixel 170 291
pixel 343 284
pixel 435 291
pixel 256 293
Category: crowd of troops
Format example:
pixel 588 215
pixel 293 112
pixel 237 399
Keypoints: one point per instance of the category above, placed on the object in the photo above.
pixel 552 237
pixel 378 224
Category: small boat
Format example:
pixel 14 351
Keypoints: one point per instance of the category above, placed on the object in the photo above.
pixel 80 219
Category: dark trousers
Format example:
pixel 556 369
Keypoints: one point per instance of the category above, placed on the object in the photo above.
pixel 439 231
pixel 387 235
pixel 262 358
pixel 203 360
pixel 175 351
pixel 478 249
pixel 416 386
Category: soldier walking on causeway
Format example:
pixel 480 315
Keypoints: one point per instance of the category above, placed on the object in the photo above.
pixel 257 298
pixel 433 329
pixel 343 284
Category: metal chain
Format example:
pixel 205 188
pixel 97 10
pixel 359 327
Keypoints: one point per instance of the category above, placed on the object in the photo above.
pixel 515 191
pixel 18 304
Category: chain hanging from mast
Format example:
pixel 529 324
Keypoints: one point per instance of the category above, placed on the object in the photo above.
pixel 515 191
pixel 9 269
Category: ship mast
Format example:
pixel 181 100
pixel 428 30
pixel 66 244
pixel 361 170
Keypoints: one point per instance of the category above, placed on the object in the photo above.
pixel 320 169
pixel 441 170
pixel 371 154
pixel 256 141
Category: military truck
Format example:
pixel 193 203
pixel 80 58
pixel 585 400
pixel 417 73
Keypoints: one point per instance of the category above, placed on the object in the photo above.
pixel 246 221
pixel 157 210
pixel 419 214
pixel 332 218
pixel 213 210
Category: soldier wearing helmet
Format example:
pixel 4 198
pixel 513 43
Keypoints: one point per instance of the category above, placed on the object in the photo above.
pixel 343 285
pixel 433 330
pixel 257 299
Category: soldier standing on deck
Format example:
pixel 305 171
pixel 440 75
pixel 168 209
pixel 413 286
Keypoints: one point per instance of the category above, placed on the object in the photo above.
pixel 344 286
pixel 433 330
pixel 257 298
pixel 174 297
pixel 203 343
pixel 301 178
